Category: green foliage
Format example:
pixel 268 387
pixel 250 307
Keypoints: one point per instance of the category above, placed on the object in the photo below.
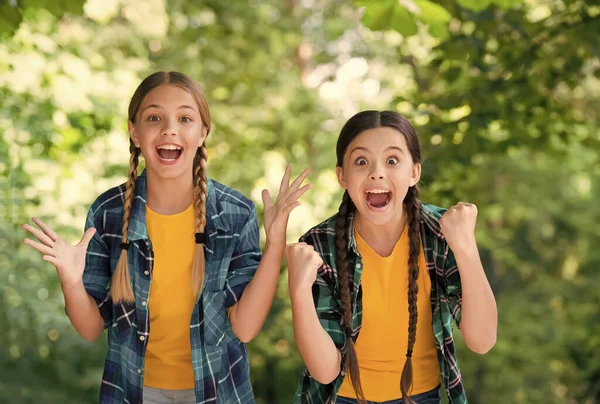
pixel 503 94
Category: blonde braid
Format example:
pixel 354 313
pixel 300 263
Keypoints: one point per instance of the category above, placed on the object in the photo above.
pixel 200 194
pixel 120 289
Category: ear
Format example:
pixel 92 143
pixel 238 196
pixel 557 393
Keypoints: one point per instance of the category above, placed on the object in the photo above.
pixel 339 171
pixel 415 174
pixel 203 134
pixel 133 134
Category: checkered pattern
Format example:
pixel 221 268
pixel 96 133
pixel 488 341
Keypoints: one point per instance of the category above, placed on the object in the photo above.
pixel 445 302
pixel 232 250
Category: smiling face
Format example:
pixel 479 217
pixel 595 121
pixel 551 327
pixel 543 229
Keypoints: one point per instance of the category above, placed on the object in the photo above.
pixel 168 129
pixel 377 171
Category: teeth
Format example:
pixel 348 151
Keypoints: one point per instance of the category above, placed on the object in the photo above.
pixel 377 191
pixel 169 147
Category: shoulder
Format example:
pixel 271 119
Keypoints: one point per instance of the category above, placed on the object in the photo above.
pixel 430 220
pixel 322 232
pixel 434 212
pixel 231 199
pixel 110 200
pixel 106 212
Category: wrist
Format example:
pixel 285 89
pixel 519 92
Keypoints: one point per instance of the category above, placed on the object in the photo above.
pixel 301 294
pixel 277 246
pixel 463 244
pixel 72 286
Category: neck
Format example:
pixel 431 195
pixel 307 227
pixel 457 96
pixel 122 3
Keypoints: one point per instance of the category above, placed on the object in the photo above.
pixel 169 196
pixel 381 238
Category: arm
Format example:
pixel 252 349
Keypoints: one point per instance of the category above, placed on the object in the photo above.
pixel 83 312
pixel 74 264
pixel 319 352
pixel 316 314
pixel 248 315
pixel 479 319
pixel 469 293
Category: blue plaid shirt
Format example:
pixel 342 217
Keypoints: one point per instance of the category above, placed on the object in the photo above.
pixel 219 359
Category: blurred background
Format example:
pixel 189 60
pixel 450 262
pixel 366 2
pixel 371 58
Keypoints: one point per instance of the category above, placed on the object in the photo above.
pixel 504 95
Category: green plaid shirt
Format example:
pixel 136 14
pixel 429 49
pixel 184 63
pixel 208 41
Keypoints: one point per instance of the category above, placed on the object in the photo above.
pixel 445 302
pixel 219 359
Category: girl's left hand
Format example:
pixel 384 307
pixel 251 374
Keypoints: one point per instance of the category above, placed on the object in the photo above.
pixel 276 215
pixel 458 225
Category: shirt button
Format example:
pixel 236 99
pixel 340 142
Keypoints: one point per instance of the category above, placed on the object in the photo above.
pixel 140 371
pixel 142 338
pixel 143 303
pixel 357 265
pixel 146 273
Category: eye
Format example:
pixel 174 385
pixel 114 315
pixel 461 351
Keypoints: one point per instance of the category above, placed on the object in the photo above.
pixel 361 161
pixel 392 161
pixel 153 118
pixel 185 119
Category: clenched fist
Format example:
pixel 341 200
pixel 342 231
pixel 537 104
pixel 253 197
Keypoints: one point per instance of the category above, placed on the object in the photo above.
pixel 303 263
pixel 458 225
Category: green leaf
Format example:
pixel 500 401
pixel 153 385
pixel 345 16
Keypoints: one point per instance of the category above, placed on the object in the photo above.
pixel 56 7
pixel 431 12
pixel 507 3
pixel 403 21
pixel 10 18
pixel 435 17
pixel 378 16
pixel 475 5
pixel 388 14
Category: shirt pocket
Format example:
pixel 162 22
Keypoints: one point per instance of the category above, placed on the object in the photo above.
pixel 216 323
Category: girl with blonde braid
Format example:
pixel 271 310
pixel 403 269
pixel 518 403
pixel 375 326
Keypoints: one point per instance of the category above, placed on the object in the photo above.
pixel 170 261
pixel 375 289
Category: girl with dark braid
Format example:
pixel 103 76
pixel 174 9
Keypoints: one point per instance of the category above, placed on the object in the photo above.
pixel 170 261
pixel 376 288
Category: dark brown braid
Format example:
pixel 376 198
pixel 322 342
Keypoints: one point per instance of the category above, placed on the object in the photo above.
pixel 120 289
pixel 411 203
pixel 341 259
pixel 200 194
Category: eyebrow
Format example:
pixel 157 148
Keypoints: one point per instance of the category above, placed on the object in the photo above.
pixel 159 107
pixel 367 150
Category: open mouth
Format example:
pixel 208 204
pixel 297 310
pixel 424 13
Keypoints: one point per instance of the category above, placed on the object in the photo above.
pixel 378 198
pixel 169 153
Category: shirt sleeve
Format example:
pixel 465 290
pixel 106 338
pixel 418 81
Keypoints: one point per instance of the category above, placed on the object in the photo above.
pixel 453 286
pixel 97 273
pixel 244 261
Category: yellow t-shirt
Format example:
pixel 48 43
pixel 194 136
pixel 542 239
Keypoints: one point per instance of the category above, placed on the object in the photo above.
pixel 168 360
pixel 383 340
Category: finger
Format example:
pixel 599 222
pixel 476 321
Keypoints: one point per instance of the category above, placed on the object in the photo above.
pixel 297 194
pixel 51 259
pixel 38 234
pixel 87 237
pixel 44 249
pixel 285 181
pixel 266 198
pixel 300 179
pixel 288 208
pixel 45 228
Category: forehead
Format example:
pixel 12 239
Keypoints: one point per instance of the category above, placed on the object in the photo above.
pixel 379 139
pixel 169 96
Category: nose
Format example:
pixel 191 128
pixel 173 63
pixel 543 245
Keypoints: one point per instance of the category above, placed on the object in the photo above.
pixel 377 172
pixel 169 128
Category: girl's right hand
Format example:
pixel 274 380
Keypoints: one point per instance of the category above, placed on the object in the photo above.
pixel 69 260
pixel 303 263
